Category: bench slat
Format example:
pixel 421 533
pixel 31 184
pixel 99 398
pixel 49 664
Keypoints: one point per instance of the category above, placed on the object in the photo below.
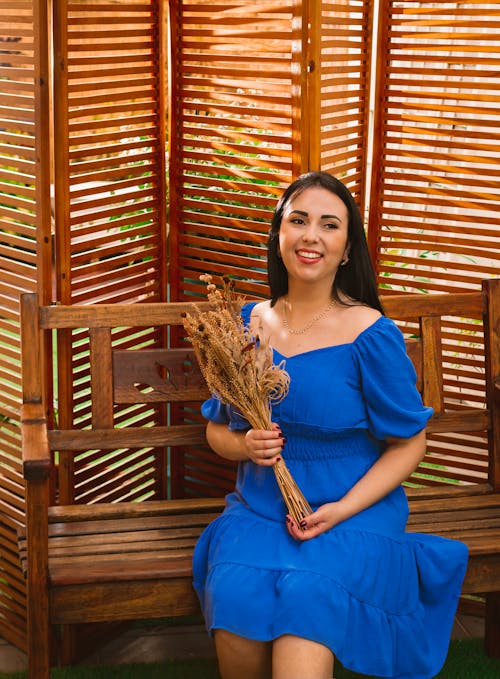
pixel 164 567
pixel 127 437
pixel 116 510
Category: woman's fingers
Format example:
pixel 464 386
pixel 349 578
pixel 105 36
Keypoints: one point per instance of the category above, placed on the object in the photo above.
pixel 305 529
pixel 264 447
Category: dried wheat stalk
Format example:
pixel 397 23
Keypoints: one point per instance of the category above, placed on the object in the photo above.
pixel 239 369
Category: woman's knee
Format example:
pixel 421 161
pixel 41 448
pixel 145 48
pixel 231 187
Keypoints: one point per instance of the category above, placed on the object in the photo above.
pixel 241 658
pixel 299 658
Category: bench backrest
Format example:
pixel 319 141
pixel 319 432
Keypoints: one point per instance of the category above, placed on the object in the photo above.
pixel 106 451
pixel 457 356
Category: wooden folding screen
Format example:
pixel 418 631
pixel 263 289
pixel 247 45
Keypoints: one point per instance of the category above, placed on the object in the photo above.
pixel 435 194
pixel 24 260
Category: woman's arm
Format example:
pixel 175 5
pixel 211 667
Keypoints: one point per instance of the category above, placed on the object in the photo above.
pixel 261 446
pixel 394 466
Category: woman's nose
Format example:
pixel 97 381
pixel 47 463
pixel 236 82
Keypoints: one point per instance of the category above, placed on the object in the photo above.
pixel 310 234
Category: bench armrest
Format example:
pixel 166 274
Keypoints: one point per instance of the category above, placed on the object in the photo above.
pixel 35 443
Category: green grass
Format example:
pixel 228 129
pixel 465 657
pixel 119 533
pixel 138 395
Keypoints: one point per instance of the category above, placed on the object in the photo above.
pixel 466 660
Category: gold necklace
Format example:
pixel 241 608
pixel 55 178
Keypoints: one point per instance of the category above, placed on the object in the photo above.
pixel 307 327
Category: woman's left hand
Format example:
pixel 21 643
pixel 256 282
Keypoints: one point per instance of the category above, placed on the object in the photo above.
pixel 318 522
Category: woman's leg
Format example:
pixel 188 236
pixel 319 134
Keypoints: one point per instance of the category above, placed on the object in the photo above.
pixel 297 658
pixel 241 658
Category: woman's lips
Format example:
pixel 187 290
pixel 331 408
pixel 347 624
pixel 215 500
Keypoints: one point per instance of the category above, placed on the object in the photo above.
pixel 308 256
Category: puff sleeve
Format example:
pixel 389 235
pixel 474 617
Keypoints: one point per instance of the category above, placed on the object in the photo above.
pixel 388 382
pixel 214 410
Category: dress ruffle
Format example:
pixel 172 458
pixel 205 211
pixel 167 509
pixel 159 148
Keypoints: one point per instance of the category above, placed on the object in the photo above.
pixel 380 604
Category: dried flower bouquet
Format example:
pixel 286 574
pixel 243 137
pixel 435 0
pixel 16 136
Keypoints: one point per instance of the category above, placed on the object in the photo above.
pixel 239 368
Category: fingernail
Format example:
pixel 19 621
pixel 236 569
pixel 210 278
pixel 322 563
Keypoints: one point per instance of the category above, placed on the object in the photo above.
pixel 278 459
pixel 303 524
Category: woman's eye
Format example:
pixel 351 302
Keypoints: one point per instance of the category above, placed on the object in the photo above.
pixel 331 225
pixel 297 220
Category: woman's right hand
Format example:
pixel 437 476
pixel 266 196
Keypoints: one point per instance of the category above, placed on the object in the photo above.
pixel 263 447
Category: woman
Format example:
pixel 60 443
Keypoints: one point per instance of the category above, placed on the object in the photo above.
pixel 282 600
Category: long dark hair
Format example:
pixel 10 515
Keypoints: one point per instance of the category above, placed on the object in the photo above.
pixel 356 279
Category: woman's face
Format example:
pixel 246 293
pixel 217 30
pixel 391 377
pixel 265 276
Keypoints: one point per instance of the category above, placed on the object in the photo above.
pixel 313 235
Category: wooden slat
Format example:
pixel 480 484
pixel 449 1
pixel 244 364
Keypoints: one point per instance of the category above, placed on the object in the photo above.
pixel 129 437
pixel 469 304
pixel 151 597
pixel 432 390
pixel 65 513
pixel 466 421
pixel 100 384
pixel 104 315
pixel 492 334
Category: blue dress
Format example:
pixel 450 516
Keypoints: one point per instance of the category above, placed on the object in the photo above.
pixel 383 600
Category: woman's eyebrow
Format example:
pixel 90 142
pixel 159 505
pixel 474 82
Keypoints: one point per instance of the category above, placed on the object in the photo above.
pixel 302 213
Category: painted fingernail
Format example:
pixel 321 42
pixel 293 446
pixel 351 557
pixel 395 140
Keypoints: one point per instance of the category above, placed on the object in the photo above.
pixel 303 524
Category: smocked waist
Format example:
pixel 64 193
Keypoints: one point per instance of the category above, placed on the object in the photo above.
pixel 304 442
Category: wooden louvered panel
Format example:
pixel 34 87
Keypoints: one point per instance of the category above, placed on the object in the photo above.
pixel 435 179
pixel 233 140
pixel 344 77
pixel 24 260
pixel 110 212
pixel 111 178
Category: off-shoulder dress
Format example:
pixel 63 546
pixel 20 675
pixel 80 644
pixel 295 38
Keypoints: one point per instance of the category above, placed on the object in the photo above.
pixel 383 600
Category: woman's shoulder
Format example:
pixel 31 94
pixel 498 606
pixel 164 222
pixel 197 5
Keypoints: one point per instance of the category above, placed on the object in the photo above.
pixel 357 318
pixel 253 312
pixel 258 308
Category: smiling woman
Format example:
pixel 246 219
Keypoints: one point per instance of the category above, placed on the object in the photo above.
pixel 283 599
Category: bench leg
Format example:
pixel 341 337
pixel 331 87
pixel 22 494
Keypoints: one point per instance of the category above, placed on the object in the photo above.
pixel 38 627
pixel 492 625
pixel 38 643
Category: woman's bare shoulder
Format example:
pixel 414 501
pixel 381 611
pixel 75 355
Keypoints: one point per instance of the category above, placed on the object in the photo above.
pixel 358 317
pixel 262 307
pixel 261 314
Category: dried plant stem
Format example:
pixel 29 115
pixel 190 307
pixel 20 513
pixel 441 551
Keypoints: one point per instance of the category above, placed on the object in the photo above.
pixel 297 505
pixel 239 369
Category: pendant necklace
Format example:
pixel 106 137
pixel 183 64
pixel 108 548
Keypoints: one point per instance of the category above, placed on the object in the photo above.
pixel 307 327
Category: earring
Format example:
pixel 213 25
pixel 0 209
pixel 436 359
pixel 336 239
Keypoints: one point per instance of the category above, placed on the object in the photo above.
pixel 344 261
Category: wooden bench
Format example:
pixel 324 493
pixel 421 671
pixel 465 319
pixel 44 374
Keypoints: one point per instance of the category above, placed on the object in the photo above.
pixel 112 561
